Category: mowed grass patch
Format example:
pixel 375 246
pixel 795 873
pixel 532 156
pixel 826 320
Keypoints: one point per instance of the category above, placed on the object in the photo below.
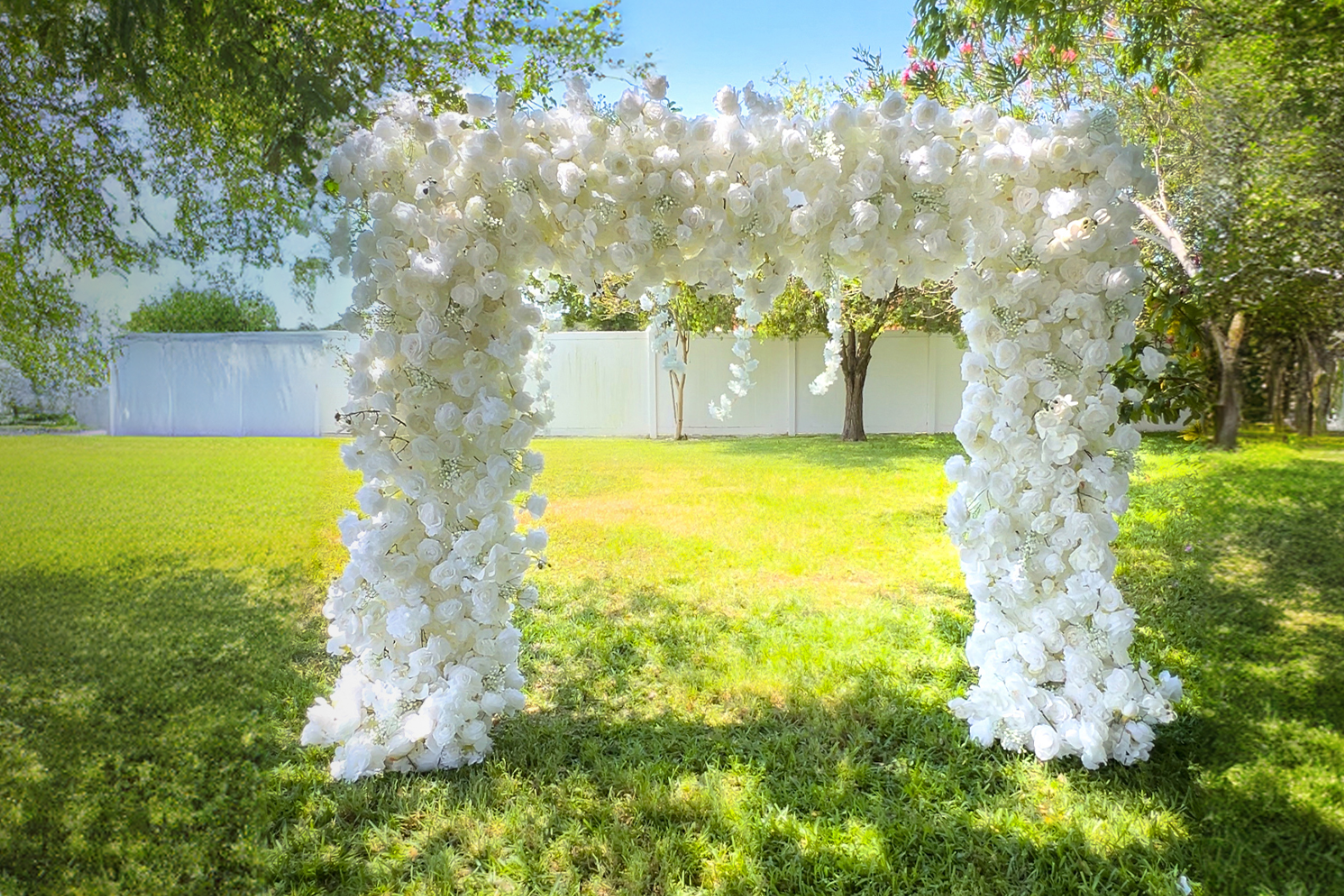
pixel 739 669
pixel 159 640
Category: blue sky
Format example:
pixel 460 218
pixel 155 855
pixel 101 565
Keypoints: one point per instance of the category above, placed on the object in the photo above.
pixel 699 45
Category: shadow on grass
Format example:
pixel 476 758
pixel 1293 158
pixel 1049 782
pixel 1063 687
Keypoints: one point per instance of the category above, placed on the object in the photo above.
pixel 1237 568
pixel 629 782
pixel 140 711
pixel 149 741
pixel 878 452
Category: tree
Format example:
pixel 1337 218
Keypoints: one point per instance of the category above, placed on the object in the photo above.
pixel 799 311
pixel 225 111
pixel 218 308
pixel 606 309
pixel 687 313
pixel 53 341
pixel 1239 106
pixel 691 313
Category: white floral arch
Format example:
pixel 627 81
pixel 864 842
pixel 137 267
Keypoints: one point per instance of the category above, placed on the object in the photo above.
pixel 1033 226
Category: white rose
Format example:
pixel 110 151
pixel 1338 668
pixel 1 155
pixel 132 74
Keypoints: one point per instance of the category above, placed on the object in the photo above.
pixel 656 87
pixel 794 146
pixel 571 179
pixel 1006 353
pixel 693 217
pixel 803 220
pixel 726 101
pixel 425 449
pixel 465 295
pixel 488 493
pixel 429 551
pixel 1058 203
pixel 1045 742
pixel 739 199
pixel 1123 280
pixel 431 517
pixel 864 215
pixel 1025 199
pixel 893 104
pixel 682 185
pixel 925 113
pixel 1096 352
pixel 1153 363
pixel 1095 279
pixel 413 347
pixel 537 540
pixel 479 106
pixel 629 107
pixel 1060 153
pixel 984 119
pixel 371 499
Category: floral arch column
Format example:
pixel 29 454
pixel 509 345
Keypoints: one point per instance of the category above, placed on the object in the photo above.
pixel 463 211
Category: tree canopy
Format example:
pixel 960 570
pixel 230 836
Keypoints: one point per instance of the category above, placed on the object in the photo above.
pixel 218 308
pixel 53 341
pixel 1241 107
pixel 222 112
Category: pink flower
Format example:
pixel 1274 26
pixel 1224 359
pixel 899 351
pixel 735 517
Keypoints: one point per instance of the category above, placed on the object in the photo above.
pixel 967 48
pixel 1068 56
pixel 1019 57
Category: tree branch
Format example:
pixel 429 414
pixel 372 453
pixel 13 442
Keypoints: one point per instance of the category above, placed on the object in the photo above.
pixel 1174 242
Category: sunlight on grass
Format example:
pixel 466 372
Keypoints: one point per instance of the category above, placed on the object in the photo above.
pixel 739 670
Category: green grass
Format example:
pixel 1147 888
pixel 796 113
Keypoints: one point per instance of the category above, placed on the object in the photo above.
pixel 739 668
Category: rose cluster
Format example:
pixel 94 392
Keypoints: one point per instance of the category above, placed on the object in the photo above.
pixel 1050 302
pixel 466 213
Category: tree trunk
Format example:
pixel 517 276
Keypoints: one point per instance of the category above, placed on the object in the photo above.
pixel 1227 410
pixel 1275 382
pixel 1303 416
pixel 1319 362
pixel 856 350
pixel 1329 379
pixel 679 384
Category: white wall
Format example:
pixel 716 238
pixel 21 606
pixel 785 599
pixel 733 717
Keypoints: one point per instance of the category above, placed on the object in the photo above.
pixel 602 384
pixel 914 385
pixel 235 384
pixel 290 384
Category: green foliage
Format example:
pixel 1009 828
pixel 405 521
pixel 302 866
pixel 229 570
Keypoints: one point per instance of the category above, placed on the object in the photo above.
pixel 696 313
pixel 218 308
pixel 799 311
pixel 796 312
pixel 1148 36
pixel 229 107
pixel 57 344
pixel 757 709
pixel 1239 104
pixel 605 309
pixel 226 109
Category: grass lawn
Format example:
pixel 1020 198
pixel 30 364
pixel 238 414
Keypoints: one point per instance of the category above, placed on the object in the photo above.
pixel 738 675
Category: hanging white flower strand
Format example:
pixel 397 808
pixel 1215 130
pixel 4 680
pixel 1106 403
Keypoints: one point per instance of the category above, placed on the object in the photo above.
pixel 462 215
pixel 835 332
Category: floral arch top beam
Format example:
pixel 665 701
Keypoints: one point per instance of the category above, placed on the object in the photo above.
pixel 1033 225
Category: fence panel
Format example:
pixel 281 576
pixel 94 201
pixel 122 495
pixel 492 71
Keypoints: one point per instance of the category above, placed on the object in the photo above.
pixel 603 384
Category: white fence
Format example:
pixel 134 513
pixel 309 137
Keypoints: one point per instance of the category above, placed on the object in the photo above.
pixel 611 384
pixel 228 384
pixel 607 384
